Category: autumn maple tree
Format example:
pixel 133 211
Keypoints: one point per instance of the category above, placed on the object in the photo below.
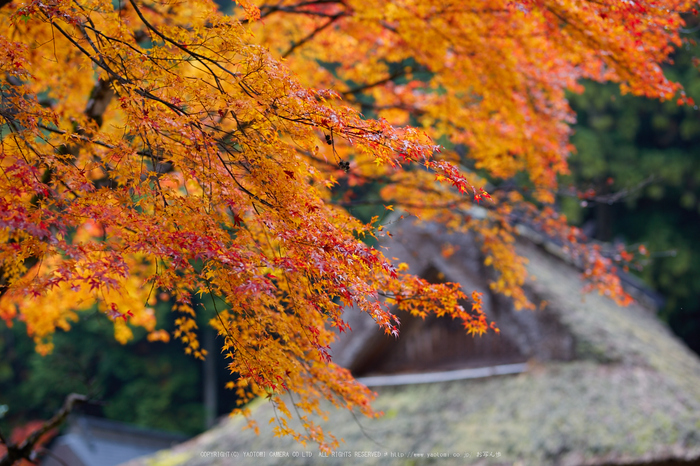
pixel 154 147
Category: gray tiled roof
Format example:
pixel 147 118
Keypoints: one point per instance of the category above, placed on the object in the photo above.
pixel 100 442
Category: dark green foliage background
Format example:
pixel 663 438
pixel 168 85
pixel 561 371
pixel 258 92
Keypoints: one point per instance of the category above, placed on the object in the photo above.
pixel 149 384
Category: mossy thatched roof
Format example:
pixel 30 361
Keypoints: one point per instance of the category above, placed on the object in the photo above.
pixel 629 393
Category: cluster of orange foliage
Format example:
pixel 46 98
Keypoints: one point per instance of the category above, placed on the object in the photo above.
pixel 154 146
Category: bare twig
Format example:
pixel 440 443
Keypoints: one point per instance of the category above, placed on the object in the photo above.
pixel 612 198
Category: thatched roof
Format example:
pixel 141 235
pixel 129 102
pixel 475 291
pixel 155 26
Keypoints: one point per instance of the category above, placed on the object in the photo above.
pixel 603 385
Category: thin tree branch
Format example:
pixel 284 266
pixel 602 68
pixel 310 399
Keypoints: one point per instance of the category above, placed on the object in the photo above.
pixel 25 450
pixel 312 34
pixel 364 87
pixel 611 198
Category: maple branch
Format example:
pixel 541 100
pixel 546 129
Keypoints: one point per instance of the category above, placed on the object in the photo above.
pixel 378 202
pixel 97 142
pixel 124 80
pixel 305 12
pixel 25 450
pixel 267 10
pixel 100 63
pixel 242 188
pixel 413 110
pixel 119 78
pixel 312 34
pixel 100 97
pixel 200 58
pixel 364 87
pixel 281 229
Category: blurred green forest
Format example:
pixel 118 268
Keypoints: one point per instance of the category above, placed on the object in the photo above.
pixel 151 384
